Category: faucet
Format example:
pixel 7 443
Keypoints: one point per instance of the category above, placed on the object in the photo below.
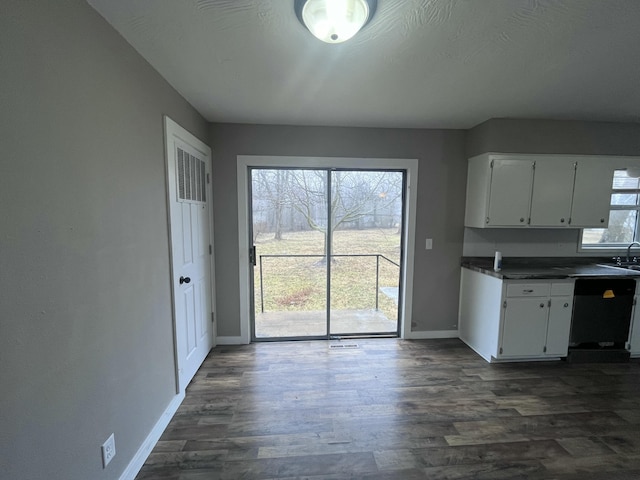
pixel 629 250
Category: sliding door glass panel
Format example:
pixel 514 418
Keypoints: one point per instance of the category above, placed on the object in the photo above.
pixel 366 225
pixel 289 222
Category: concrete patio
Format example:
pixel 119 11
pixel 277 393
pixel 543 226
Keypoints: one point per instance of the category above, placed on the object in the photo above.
pixel 313 323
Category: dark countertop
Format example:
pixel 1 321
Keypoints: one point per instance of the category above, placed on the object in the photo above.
pixel 522 268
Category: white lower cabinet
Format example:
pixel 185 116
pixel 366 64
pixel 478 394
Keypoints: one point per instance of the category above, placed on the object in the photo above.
pixel 634 337
pixel 536 319
pixel 513 320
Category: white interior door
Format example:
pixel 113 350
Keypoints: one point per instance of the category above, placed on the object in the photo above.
pixel 189 199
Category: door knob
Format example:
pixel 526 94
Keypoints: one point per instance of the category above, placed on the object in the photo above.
pixel 184 280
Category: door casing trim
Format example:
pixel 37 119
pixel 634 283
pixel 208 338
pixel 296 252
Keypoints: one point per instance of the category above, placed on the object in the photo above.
pixel 246 161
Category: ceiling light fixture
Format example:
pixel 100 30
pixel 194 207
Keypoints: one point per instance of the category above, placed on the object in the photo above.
pixel 334 21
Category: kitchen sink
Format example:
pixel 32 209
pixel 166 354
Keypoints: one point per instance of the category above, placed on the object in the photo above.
pixel 623 265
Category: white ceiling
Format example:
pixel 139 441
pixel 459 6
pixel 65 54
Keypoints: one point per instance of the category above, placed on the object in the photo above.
pixel 419 63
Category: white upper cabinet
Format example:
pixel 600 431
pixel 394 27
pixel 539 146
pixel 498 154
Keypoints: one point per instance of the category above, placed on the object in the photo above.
pixel 510 194
pixel 499 191
pixel 592 193
pixel 543 191
pixel 552 192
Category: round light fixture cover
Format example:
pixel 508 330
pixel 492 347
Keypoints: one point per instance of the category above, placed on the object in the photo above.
pixel 334 21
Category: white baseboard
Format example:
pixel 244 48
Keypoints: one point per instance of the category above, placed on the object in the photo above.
pixel 432 334
pixel 143 452
pixel 230 340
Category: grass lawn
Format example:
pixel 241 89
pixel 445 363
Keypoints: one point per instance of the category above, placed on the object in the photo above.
pixel 296 284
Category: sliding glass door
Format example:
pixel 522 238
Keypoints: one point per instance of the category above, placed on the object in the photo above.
pixel 326 252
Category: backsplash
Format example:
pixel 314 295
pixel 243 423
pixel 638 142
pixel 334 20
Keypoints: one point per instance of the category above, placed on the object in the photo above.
pixel 526 242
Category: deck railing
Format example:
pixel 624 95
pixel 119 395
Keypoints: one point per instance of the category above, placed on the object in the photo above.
pixel 377 255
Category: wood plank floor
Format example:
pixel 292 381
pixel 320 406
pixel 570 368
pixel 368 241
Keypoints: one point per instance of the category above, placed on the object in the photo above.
pixel 396 409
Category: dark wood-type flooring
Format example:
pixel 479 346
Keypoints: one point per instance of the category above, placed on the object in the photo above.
pixel 396 409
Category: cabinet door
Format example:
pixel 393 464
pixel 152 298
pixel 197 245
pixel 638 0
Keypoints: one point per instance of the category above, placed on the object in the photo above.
pixel 510 193
pixel 592 193
pixel 524 328
pixel 559 326
pixel 634 341
pixel 552 192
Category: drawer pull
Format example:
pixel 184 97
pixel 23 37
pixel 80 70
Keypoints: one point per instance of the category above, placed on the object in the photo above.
pixel 527 291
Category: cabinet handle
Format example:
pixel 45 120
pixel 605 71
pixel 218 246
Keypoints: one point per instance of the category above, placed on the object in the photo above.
pixel 602 220
pixel 527 291
pixel 521 219
pixel 562 220
pixel 542 305
pixel 566 305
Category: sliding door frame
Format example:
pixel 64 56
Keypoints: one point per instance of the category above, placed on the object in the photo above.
pixel 410 166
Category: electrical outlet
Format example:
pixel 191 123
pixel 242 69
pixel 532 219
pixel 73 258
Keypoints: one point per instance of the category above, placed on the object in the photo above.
pixel 429 244
pixel 108 450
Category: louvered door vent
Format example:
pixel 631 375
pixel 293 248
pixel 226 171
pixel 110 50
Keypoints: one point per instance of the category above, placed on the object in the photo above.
pixel 191 178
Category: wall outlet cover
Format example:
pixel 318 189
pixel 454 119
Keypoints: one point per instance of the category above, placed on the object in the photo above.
pixel 108 450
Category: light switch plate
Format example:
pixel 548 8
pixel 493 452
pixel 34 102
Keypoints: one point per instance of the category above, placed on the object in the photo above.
pixel 429 244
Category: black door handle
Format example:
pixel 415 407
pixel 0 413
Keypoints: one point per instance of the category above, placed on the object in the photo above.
pixel 184 280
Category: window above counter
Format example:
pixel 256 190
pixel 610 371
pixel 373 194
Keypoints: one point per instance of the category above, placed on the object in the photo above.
pixel 624 208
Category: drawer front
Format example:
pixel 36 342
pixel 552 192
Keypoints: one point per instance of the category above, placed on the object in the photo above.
pixel 564 289
pixel 528 289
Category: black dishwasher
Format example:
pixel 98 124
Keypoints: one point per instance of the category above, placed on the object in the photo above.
pixel 601 319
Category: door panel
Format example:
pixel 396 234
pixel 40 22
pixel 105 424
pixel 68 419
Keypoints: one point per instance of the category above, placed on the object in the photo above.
pixel 289 218
pixel 510 197
pixel 552 192
pixel 366 240
pixel 191 320
pixel 559 325
pixel 187 243
pixel 525 326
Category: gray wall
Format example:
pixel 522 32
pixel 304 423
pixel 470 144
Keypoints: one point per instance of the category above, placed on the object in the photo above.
pixel 554 136
pixel 543 136
pixel 85 316
pixel 440 210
